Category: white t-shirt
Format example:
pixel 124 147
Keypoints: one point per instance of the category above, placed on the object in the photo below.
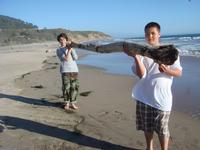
pixel 154 88
pixel 70 65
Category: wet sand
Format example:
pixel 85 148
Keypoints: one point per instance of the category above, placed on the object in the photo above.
pixel 186 88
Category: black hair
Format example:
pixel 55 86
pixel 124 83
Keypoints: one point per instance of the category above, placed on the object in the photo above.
pixel 152 24
pixel 64 35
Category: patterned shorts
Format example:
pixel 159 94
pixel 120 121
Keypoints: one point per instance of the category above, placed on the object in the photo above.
pixel 150 119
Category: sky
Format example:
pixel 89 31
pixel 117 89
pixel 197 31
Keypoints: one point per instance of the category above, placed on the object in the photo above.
pixel 118 18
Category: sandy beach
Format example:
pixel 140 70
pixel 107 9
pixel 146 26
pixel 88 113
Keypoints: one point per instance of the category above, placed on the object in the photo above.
pixel 32 117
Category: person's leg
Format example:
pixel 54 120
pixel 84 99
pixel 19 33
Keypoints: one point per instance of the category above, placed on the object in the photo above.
pixel 162 121
pixel 74 90
pixel 144 121
pixel 164 142
pixel 149 140
pixel 66 90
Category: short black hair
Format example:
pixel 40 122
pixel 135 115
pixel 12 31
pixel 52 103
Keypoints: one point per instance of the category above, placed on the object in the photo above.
pixel 152 24
pixel 64 35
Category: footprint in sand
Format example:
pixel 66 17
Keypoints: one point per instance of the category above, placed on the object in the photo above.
pixel 103 113
pixel 114 115
pixel 119 115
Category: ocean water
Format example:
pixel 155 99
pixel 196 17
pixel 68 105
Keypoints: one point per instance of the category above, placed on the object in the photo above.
pixel 119 63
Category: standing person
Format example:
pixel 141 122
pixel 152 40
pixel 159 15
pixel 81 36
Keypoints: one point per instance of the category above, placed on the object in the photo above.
pixel 153 91
pixel 68 70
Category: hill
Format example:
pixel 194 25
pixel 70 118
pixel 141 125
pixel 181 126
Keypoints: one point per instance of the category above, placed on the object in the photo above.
pixel 7 22
pixel 14 31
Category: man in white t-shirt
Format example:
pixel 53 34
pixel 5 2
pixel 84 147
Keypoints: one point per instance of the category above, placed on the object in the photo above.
pixel 153 92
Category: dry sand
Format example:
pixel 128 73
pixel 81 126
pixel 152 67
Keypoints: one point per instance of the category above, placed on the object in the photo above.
pixel 33 118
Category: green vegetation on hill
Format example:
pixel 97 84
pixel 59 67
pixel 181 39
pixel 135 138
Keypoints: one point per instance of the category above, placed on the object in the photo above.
pixel 14 31
pixel 7 22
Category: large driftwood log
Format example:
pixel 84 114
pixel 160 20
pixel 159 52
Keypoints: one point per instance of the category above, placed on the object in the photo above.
pixel 164 54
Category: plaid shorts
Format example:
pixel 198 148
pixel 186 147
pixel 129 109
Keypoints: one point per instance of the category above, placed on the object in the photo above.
pixel 150 119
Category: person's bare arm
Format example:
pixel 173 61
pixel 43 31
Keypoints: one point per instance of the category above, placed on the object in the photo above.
pixel 140 68
pixel 172 72
pixel 68 54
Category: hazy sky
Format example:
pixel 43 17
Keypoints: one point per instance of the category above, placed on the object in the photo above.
pixel 114 17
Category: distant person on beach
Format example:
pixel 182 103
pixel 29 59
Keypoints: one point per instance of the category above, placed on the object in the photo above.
pixel 68 70
pixel 153 91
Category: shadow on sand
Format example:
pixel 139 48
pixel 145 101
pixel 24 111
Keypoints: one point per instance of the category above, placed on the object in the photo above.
pixel 32 101
pixel 84 140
